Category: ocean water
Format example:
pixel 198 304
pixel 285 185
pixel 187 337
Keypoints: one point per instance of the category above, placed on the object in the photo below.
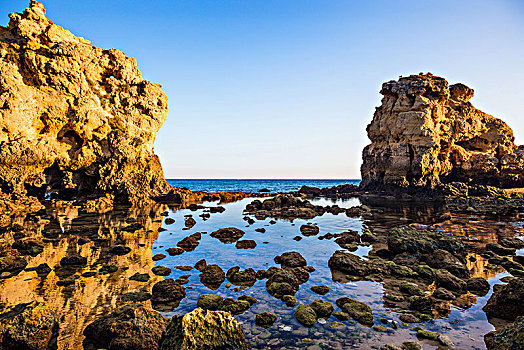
pixel 254 185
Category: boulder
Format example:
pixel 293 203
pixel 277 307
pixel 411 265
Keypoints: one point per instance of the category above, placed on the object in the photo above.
pixel 358 310
pixel 426 133
pixel 132 327
pixel 305 315
pixel 212 276
pixel 508 338
pixel 30 326
pixel 506 301
pixel 228 235
pixel 168 291
pixel 203 329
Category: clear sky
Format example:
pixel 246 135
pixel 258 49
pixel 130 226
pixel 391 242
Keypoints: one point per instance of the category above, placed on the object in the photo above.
pixel 285 89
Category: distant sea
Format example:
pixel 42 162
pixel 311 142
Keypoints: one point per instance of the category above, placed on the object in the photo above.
pixel 248 185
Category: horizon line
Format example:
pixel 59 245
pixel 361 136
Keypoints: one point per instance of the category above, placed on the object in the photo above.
pixel 331 179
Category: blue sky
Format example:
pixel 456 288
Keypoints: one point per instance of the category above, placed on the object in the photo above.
pixel 285 89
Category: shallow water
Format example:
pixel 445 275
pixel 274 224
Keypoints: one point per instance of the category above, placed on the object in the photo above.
pixel 79 304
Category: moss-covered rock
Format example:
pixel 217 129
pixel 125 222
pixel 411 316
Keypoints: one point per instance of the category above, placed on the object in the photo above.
pixel 508 338
pixel 358 310
pixel 305 315
pixel 265 319
pixel 209 301
pixel 236 307
pixel 323 309
pixel 411 289
pixel 290 300
pixel 204 329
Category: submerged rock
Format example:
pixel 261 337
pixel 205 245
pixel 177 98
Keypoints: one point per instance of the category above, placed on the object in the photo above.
pixel 209 301
pixel 245 277
pixel 212 276
pixel 204 329
pixel 305 315
pixel 32 326
pixel 168 291
pixel 356 309
pixel 228 235
pixel 265 319
pixel 132 327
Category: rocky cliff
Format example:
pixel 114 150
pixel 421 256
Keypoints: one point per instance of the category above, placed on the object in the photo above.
pixel 75 119
pixel 426 133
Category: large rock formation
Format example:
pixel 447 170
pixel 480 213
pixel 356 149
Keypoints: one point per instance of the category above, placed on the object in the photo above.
pixel 427 133
pixel 74 119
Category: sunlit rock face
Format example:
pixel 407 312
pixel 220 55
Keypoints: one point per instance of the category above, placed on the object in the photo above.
pixel 74 118
pixel 426 132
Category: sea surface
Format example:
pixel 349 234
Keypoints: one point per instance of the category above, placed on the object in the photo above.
pixel 254 185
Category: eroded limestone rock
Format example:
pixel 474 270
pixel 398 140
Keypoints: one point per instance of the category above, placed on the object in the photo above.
pixel 426 133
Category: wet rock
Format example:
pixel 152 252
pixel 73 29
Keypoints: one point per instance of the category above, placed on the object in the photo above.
pixel 305 315
pixel 409 318
pixel 500 250
pixel 183 267
pixel 132 327
pixel 190 242
pixel 74 260
pixel 347 238
pixel 11 263
pixel 445 340
pixel 265 319
pixel 212 276
pixel 175 251
pixel 107 269
pixel 282 282
pixel 260 230
pixel 379 328
pixel 245 244
pixel 506 301
pixel 239 277
pixel 478 285
pixel 511 242
pixel 161 271
pixel 425 334
pixel 28 246
pixel 290 300
pixel 236 307
pixel 443 294
pixel 31 326
pixel 368 237
pixel 442 259
pixel 445 279
pixel 167 291
pixel 210 301
pixel 420 303
pixel 140 277
pixel 217 209
pixel 158 257
pixel 290 259
pixel 323 309
pixel 189 222
pixel 119 250
pixel 341 316
pixel 135 296
pixel 348 263
pixel 508 338
pixel 169 221
pixel 407 239
pixel 41 270
pixel 204 329
pixel 228 235
pixel 411 289
pixel 201 265
pixel 357 310
pixel 321 290
pixel 411 345
pixel 252 301
pixel 309 230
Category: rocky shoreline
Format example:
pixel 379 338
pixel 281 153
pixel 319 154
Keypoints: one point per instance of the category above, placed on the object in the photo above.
pixel 83 199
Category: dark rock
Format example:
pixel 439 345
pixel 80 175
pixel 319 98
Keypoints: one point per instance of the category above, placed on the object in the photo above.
pixel 107 269
pixel 500 250
pixel 217 209
pixel 445 279
pixel 41 270
pixel 238 277
pixel 348 263
pixel 169 221
pixel 478 285
pixel 175 251
pixel 236 307
pixel 119 250
pixel 420 303
pixel 506 301
pixel 189 222
pixel 157 257
pixel 442 259
pixel 444 294
pixel 411 289
pixel 309 230
pixel 132 327
pixel 228 235
pixel 212 276
pixel 321 290
pixel 261 230
pixel 290 300
pixel 252 301
pixel 74 260
pixel 135 296
pixel 407 239
pixel 161 271
pixel 167 291
pixel 511 242
pixel 245 244
pixel 323 309
pixel 290 259
pixel 265 319
pixel 201 265
pixel 140 277
pixel 190 242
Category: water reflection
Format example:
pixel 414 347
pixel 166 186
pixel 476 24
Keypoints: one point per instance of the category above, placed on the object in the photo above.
pixel 64 231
